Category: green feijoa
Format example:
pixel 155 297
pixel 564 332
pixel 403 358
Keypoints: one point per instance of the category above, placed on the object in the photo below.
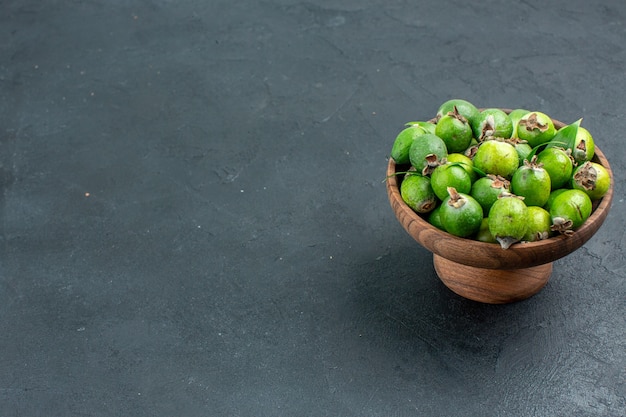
pixel 427 152
pixel 461 215
pixel 553 195
pixel 496 157
pixel 483 234
pixel 569 210
pixel 515 116
pixel 417 193
pixel 487 189
pixel 508 220
pixel 465 161
pixel 449 175
pixel 434 218
pixel 404 140
pixel 463 107
pixel 558 163
pixel 455 131
pixel 538 227
pixel 428 127
pixel 523 151
pixel 536 128
pixel 584 147
pixel 593 179
pixel 492 122
pixel 532 182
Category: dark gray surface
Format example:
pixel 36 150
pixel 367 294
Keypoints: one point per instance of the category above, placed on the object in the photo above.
pixel 194 223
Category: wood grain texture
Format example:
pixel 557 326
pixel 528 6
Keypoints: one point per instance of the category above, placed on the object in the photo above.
pixel 493 286
pixel 489 255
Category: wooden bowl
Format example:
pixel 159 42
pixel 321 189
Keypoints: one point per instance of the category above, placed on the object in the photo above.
pixel 484 271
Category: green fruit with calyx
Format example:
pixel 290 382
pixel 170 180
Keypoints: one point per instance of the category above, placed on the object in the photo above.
pixel 569 211
pixel 427 152
pixel 449 175
pixel 536 128
pixel 559 164
pixel 487 189
pixel 584 146
pixel 515 117
pixel 404 140
pixel 492 122
pixel 532 182
pixel 455 131
pixel 496 157
pixel 417 193
pixel 508 220
pixel 460 214
pixel 593 179
pixel 538 224
pixel 463 107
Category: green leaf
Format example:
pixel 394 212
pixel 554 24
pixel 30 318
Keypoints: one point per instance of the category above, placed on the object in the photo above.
pixel 566 136
pixel 472 167
pixel 401 173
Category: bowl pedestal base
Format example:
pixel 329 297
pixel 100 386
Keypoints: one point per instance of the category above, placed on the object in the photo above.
pixel 492 286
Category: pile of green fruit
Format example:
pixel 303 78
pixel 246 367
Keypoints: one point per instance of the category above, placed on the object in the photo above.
pixel 498 177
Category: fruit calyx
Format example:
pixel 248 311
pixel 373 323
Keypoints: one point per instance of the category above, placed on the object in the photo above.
pixel 455 113
pixel 488 129
pixel 456 200
pixel 582 147
pixel 510 141
pixel 562 226
pixel 516 141
pixel 532 164
pixel 586 176
pixel 532 123
pixel 471 151
pixel 432 162
pixel 499 181
pixel 507 194
pixel 506 241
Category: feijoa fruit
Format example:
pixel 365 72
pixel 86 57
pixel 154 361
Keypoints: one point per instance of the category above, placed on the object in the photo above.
pixel 539 223
pixel 492 122
pixel 427 152
pixel 536 128
pixel 449 175
pixel 455 131
pixel 508 220
pixel 460 214
pixel 569 210
pixel 532 182
pixel 496 157
pixel 559 164
pixel 417 193
pixel 593 179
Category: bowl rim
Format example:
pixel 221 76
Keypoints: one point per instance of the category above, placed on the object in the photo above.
pixel 491 255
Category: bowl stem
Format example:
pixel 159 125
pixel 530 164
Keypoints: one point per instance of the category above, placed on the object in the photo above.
pixel 492 286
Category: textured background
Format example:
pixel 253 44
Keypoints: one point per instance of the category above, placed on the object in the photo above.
pixel 193 220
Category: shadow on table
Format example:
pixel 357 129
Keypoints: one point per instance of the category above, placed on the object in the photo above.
pixel 400 299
